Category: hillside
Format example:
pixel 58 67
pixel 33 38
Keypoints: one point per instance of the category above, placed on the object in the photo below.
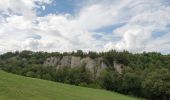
pixel 14 87
pixel 145 75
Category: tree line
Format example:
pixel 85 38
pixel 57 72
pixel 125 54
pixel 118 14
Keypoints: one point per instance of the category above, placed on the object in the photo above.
pixel 145 75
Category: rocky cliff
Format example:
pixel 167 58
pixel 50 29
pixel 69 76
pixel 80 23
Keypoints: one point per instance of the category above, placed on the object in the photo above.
pixel 94 65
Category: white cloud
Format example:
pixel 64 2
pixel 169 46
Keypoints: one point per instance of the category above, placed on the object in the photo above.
pixel 23 29
pixel 134 38
pixel 138 39
pixel 27 8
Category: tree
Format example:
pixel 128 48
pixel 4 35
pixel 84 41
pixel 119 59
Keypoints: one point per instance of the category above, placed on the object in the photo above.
pixel 47 76
pixel 30 74
pixel 157 84
pixel 79 53
pixel 26 54
pixel 110 80
pixel 122 58
pixel 62 75
pixel 131 83
pixel 80 75
pixel 1 64
pixel 92 54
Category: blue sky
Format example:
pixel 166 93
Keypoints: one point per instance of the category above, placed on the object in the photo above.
pixel 97 25
pixel 60 6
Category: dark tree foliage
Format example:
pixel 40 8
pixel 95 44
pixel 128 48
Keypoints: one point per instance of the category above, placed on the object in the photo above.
pixel 110 80
pixel 92 54
pixel 157 84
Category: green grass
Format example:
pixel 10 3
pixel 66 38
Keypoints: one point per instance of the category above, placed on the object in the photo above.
pixel 14 87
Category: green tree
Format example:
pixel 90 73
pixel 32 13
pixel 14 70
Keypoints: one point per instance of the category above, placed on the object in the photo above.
pixel 80 75
pixel 47 76
pixel 30 74
pixel 110 80
pixel 131 83
pixel 79 53
pixel 157 84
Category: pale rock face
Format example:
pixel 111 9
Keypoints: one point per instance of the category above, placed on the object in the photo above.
pixel 52 61
pixel 75 61
pixel 102 67
pixel 85 60
pixel 94 65
pixel 65 62
pixel 89 63
pixel 118 67
pixel 99 66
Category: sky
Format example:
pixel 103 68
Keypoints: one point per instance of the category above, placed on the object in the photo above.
pixel 89 25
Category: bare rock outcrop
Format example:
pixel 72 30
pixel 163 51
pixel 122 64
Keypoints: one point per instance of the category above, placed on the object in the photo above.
pixel 75 61
pixel 118 67
pixel 65 62
pixel 94 65
pixel 52 61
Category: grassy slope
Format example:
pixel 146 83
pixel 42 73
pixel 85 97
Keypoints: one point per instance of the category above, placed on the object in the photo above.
pixel 14 87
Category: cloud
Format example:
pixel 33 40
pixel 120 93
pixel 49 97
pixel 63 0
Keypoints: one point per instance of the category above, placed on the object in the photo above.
pixel 26 8
pixel 21 27
pixel 137 35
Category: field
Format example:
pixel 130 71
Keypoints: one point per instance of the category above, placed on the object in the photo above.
pixel 14 87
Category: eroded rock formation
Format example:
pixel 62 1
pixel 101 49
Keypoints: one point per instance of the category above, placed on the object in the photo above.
pixel 94 65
